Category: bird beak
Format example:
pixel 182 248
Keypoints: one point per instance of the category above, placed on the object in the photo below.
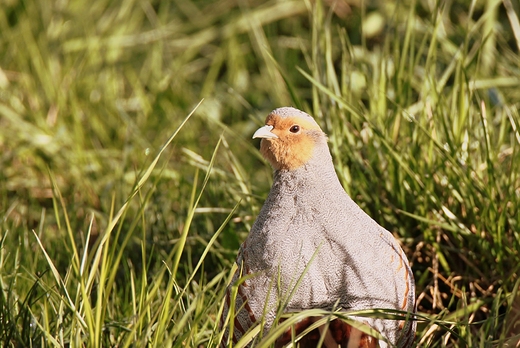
pixel 265 132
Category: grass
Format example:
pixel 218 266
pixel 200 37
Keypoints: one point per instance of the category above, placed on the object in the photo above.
pixel 120 222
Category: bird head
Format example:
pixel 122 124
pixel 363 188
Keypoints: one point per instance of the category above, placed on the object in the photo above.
pixel 289 138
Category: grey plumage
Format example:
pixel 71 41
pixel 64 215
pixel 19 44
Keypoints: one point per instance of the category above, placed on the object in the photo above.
pixel 357 263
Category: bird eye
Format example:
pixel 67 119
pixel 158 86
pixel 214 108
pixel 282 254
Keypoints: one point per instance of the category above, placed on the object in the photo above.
pixel 294 129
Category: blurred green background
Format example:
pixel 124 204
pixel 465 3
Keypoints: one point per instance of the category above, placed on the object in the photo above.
pixel 101 245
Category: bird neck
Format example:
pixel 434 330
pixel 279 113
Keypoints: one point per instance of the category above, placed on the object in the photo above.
pixel 317 172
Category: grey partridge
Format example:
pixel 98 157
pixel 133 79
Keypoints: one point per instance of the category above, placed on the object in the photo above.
pixel 312 246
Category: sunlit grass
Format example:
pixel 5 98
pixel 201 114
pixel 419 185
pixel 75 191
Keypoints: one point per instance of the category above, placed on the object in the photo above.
pixel 119 227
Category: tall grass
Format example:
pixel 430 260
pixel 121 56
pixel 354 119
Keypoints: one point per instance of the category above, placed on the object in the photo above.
pixel 120 222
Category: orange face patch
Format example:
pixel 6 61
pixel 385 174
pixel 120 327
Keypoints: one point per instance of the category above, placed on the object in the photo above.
pixel 295 144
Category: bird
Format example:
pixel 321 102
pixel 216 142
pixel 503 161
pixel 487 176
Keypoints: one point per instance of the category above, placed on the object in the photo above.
pixel 313 247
